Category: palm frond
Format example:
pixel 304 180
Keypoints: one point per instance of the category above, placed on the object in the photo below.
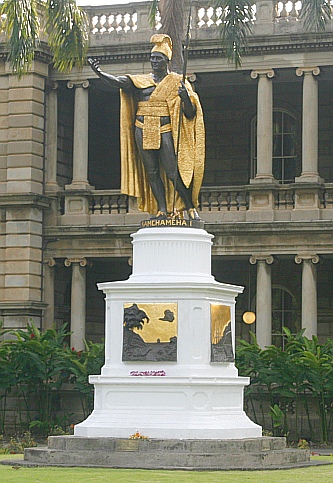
pixel 235 18
pixel 315 14
pixel 21 26
pixel 153 9
pixel 67 27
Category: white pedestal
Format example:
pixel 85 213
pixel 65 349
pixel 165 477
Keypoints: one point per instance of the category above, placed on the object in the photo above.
pixel 196 398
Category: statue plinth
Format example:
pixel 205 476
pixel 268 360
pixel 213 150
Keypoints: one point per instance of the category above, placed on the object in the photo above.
pixel 170 338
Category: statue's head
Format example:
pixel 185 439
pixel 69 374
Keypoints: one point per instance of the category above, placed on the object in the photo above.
pixel 163 44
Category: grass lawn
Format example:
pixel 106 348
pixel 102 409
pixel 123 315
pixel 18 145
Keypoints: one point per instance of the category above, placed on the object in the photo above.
pixel 322 474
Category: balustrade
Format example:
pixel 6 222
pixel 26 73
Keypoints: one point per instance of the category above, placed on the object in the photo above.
pixel 117 22
pixel 133 17
pixel 108 202
pixel 327 201
pixel 224 199
pixel 212 199
pixel 288 10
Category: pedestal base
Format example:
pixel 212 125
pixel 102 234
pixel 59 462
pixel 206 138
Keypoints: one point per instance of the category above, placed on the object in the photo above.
pixel 169 407
pixel 257 453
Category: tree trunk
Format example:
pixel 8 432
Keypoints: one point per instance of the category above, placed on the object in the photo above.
pixel 173 14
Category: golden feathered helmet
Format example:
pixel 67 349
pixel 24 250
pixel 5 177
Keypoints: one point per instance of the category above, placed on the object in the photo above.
pixel 163 44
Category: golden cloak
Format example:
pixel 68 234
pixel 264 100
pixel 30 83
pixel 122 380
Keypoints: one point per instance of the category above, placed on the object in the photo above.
pixel 191 156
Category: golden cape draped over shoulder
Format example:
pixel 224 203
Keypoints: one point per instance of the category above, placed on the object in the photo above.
pixel 191 156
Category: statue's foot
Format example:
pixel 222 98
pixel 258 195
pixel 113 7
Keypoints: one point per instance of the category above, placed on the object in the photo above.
pixel 193 214
pixel 161 215
pixel 176 214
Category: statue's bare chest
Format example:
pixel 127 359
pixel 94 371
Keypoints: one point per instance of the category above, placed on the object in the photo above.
pixel 144 94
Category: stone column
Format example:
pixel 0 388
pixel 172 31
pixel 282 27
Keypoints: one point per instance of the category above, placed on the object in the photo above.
pixel 309 125
pixel 78 301
pixel 52 139
pixel 80 139
pixel 263 299
pixel 264 172
pixel 48 319
pixel 309 292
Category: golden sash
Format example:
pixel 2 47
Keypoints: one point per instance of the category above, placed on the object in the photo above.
pixel 152 111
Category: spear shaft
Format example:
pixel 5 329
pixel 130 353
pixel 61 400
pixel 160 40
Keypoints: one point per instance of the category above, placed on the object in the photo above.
pixel 185 58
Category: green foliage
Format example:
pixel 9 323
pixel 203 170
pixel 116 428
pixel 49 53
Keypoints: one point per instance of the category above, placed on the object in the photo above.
pixel 235 23
pixel 315 14
pixel 86 363
pixel 66 27
pixel 289 378
pixel 236 19
pixel 153 10
pixel 21 23
pixel 303 444
pixel 278 417
pixel 68 33
pixel 17 445
pixel 34 366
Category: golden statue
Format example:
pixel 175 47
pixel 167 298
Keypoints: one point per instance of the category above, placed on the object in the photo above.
pixel 149 116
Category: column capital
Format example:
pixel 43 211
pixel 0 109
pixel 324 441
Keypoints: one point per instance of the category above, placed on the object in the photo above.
pixel 269 73
pixel 307 70
pixel 74 84
pixel 52 86
pixel 269 259
pixel 79 261
pixel 50 261
pixel 306 256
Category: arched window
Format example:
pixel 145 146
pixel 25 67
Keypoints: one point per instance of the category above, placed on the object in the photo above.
pixel 284 146
pixel 284 314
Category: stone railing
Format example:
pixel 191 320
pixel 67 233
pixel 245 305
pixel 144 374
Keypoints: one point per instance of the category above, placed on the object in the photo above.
pixel 130 21
pixel 108 202
pixel 132 18
pixel 288 10
pixel 236 200
pixel 224 199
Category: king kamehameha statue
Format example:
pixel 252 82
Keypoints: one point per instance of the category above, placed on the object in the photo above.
pixel 171 323
pixel 153 160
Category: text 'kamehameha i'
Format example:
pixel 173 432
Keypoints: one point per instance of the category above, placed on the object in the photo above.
pixel 156 222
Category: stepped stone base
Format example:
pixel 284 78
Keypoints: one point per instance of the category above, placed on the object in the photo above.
pixel 254 453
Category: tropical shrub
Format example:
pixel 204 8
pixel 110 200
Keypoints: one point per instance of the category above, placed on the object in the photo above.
pixel 289 379
pixel 34 367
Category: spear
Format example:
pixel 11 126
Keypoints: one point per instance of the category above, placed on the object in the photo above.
pixel 186 47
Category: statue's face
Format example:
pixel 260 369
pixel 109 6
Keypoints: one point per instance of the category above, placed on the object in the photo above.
pixel 159 61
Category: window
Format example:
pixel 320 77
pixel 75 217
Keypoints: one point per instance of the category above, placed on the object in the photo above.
pixel 284 314
pixel 284 146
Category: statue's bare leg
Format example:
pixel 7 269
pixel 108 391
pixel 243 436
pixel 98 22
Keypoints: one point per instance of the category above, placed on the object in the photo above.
pixel 168 160
pixel 150 159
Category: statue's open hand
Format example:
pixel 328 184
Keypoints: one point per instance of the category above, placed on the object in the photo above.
pixel 94 64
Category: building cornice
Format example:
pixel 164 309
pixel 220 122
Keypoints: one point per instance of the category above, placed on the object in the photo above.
pixel 210 48
pixel 29 199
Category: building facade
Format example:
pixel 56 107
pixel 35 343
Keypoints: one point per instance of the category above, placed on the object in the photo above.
pixel 267 195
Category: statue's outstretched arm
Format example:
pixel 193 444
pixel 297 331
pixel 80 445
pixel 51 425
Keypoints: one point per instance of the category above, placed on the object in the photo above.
pixel 120 82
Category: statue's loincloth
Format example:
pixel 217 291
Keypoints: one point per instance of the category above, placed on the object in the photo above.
pixel 152 111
